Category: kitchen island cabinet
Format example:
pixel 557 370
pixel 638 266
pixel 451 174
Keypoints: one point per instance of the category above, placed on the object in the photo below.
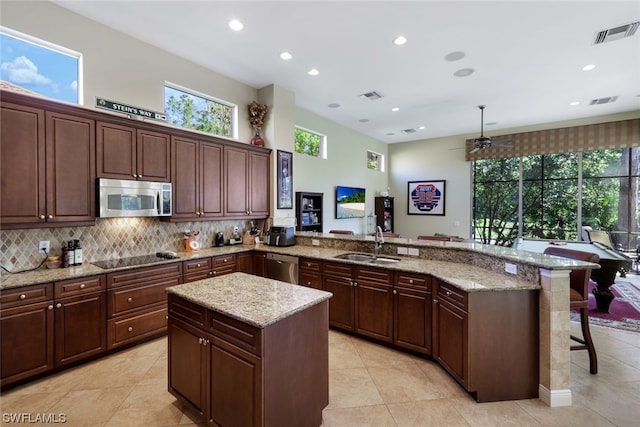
pixel 249 351
pixel 412 300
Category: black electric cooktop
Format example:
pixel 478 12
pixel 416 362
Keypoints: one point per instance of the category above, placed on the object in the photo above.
pixel 133 261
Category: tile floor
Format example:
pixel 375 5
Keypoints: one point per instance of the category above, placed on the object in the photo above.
pixel 370 385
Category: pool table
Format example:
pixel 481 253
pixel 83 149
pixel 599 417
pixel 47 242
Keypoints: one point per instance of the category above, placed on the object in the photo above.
pixel 611 261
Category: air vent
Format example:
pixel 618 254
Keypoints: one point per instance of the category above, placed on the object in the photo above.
pixel 408 130
pixel 616 33
pixel 601 101
pixel 371 96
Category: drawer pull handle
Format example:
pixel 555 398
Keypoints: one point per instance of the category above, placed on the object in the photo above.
pixel 198 265
pixel 200 340
pixel 50 307
pixel 23 296
pixel 395 291
pixel 448 293
pixel 129 299
pixel 42 217
pixel 130 329
pixel 58 305
pixel 411 281
pixel 309 283
pixel 82 285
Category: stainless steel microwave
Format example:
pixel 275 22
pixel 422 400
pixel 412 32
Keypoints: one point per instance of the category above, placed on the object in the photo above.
pixel 125 198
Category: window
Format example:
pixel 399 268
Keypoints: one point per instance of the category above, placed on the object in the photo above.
pixel 41 67
pixel 552 196
pixel 375 161
pixel 310 143
pixel 192 110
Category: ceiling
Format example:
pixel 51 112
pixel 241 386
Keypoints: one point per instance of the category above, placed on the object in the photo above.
pixel 526 57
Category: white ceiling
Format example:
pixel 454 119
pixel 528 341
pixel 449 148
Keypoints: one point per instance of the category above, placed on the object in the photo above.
pixel 527 57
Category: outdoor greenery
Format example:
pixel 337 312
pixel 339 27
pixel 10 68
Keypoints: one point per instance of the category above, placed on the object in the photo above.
pixel 307 142
pixel 192 112
pixel 374 160
pixel 550 184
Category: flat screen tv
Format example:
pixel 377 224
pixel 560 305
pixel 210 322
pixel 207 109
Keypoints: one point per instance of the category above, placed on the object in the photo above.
pixel 349 202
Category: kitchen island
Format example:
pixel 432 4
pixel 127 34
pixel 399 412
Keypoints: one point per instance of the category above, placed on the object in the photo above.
pixel 250 351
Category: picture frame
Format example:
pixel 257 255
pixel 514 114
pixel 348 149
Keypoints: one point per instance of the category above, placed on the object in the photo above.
pixel 285 180
pixel 426 197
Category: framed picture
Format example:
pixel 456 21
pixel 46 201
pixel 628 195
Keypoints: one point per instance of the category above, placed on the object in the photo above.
pixel 285 180
pixel 426 197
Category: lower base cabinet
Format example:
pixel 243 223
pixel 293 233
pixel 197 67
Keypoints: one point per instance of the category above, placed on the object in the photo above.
pixel 235 374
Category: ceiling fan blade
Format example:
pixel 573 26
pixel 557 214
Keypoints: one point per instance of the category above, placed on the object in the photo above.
pixel 475 150
pixel 506 143
pixel 457 148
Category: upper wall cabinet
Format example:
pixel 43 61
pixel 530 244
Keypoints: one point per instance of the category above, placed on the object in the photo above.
pixel 246 183
pixel 125 152
pixel 47 167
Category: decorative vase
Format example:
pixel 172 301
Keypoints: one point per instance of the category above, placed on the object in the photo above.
pixel 257 140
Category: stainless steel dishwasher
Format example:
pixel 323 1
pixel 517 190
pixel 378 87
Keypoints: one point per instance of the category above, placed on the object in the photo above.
pixel 282 267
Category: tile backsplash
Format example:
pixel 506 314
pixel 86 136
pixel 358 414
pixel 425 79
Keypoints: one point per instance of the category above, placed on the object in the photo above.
pixel 110 238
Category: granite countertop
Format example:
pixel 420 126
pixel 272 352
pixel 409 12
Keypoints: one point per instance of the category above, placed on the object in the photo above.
pixel 250 299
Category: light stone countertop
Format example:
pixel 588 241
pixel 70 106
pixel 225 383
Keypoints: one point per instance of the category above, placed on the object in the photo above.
pixel 250 299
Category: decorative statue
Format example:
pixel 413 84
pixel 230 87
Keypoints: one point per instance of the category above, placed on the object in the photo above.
pixel 257 113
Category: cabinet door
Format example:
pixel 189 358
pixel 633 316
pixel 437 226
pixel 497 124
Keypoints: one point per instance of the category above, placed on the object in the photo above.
pixel 26 347
pixel 341 305
pixel 259 264
pixel 236 386
pixel 115 151
pixel 244 262
pixel 412 319
pixel 80 327
pixel 188 364
pixel 258 185
pixel 211 180
pixel 22 164
pixel 451 339
pixel 374 310
pixel 236 163
pixel 153 156
pixel 184 176
pixel 70 168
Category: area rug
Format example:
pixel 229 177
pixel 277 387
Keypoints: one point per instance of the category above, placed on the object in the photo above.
pixel 624 312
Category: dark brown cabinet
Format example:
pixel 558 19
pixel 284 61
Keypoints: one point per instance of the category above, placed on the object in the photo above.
pixel 125 152
pixel 310 273
pixel 309 211
pixel 259 264
pixel 412 300
pixel 50 326
pixel 488 341
pixel 137 303
pixel 26 322
pixel 362 299
pixel 80 313
pixel 246 183
pixel 48 169
pixel 197 177
pixel 244 262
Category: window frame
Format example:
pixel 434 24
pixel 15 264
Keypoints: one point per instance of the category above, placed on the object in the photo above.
pixel 323 142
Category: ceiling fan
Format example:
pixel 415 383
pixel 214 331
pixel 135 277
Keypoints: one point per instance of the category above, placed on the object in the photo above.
pixel 482 142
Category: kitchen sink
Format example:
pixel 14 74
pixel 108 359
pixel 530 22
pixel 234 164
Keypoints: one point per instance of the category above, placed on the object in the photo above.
pixel 367 258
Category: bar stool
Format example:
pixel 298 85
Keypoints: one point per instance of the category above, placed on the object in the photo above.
pixel 579 298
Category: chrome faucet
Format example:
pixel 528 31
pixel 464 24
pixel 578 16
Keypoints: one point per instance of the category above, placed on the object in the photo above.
pixel 379 241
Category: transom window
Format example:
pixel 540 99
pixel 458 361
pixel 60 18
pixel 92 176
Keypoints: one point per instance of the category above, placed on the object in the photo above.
pixel 310 143
pixel 40 67
pixel 192 110
pixel 375 161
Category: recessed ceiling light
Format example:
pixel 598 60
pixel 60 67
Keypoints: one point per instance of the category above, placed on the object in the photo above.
pixel 588 67
pixel 574 103
pixel 400 40
pixel 286 56
pixel 454 56
pixel 236 25
pixel 313 72
pixel 390 134
pixel 420 127
pixel 364 120
pixel 490 123
pixel 395 109
pixel 464 72
pixel 333 105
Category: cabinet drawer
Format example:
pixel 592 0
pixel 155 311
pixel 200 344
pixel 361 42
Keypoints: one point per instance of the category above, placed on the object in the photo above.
pixel 188 311
pixel 310 279
pixel 26 295
pixel 237 333
pixel 410 280
pixel 337 269
pixel 84 285
pixel 373 275
pixel 135 328
pixel 225 264
pixel 143 275
pixel 125 300
pixel 197 266
pixel 309 264
pixel 453 295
